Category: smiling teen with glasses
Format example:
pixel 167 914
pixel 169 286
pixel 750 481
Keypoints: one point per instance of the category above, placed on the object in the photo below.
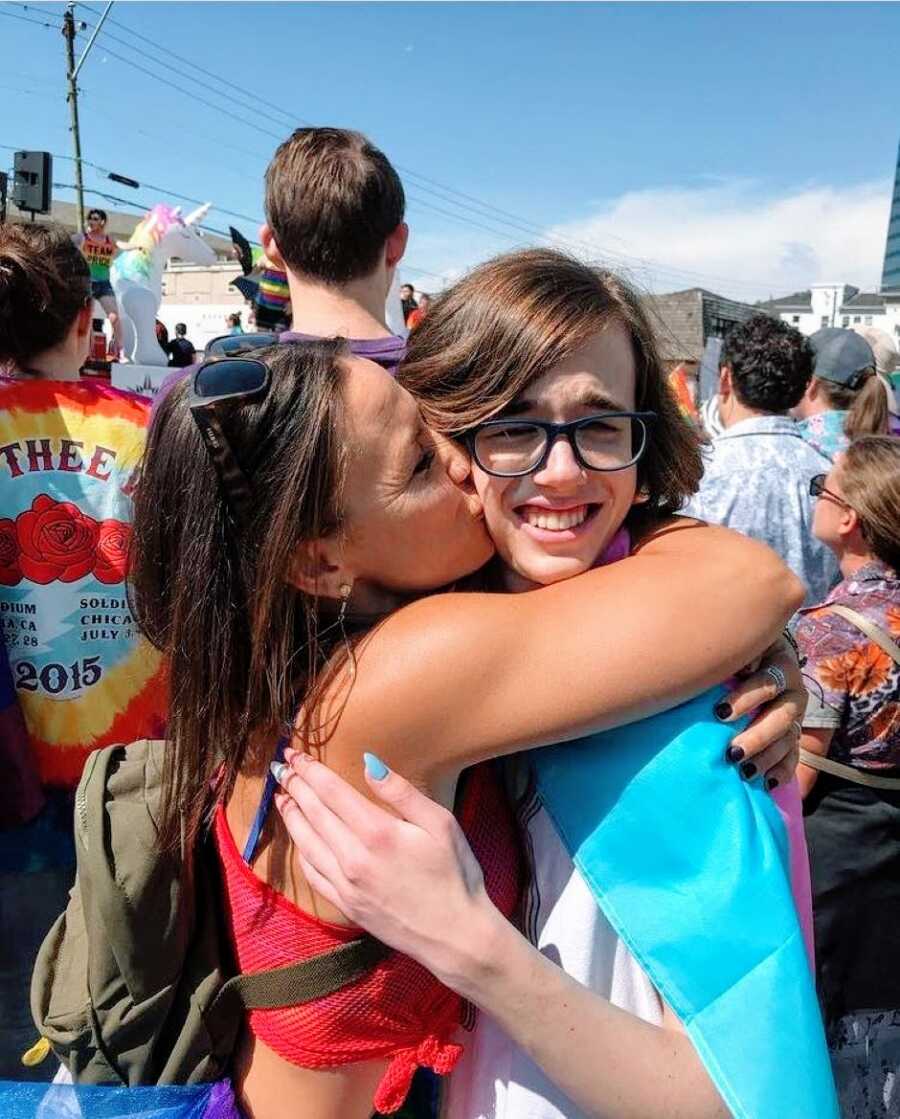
pixel 294 617
pixel 549 372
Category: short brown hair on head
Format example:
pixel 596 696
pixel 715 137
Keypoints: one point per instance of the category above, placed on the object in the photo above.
pixel 870 478
pixel 44 283
pixel 509 321
pixel 332 200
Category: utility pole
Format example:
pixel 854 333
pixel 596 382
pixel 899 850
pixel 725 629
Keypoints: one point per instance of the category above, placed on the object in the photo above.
pixel 69 35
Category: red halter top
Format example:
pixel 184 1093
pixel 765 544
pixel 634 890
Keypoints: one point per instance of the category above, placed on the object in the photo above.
pixel 398 1010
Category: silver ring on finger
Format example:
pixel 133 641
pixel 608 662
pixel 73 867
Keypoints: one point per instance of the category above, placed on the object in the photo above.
pixel 778 678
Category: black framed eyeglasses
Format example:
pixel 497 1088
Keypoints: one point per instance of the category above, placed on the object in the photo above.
pixel 817 488
pixel 235 345
pixel 216 384
pixel 605 442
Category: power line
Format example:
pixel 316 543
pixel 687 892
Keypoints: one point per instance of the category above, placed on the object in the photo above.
pixel 444 192
pixel 505 217
pixel 26 19
pixel 192 63
pixel 152 186
pixel 30 92
pixel 487 211
pixel 43 11
pixel 135 204
pixel 293 121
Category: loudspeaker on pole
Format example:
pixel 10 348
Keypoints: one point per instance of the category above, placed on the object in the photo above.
pixel 32 181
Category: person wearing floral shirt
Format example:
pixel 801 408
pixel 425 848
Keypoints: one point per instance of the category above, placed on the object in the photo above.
pixel 853 814
pixel 845 398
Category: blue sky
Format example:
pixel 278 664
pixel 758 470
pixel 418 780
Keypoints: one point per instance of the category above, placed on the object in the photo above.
pixel 748 147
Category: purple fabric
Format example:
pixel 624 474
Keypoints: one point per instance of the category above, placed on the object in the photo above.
pixel 221 1103
pixel 386 352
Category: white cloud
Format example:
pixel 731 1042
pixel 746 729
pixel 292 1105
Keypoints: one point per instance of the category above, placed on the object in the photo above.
pixel 731 236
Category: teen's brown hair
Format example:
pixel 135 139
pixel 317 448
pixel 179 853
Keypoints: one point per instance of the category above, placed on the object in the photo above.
pixel 332 200
pixel 243 644
pixel 510 320
pixel 870 478
pixel 44 282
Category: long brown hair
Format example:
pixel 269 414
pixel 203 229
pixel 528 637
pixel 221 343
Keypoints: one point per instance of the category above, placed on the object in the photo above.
pixel 510 320
pixel 870 479
pixel 244 646
pixel 44 282
pixel 866 405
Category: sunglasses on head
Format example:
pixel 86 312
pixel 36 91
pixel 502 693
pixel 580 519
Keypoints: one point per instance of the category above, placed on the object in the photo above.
pixel 215 385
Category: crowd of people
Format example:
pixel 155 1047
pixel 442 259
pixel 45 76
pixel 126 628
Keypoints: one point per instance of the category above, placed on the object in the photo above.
pixel 625 830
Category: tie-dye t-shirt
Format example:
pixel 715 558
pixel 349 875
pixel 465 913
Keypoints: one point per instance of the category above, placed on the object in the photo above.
pixel 83 676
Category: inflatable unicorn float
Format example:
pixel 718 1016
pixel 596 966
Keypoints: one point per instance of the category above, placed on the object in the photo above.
pixel 136 274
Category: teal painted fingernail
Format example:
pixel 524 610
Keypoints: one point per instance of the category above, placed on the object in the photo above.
pixel 375 767
pixel 279 769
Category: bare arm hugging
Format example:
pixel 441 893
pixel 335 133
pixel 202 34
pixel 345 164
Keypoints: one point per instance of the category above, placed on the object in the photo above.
pixel 454 679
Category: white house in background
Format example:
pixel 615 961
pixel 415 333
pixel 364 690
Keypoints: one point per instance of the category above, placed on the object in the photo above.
pixel 838 305
pixel 201 297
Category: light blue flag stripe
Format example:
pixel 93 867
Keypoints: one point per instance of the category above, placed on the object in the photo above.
pixel 690 865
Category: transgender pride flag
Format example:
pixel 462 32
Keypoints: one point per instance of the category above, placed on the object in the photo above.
pixel 691 866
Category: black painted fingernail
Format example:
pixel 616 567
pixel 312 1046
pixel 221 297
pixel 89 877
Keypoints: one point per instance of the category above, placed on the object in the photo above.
pixel 734 754
pixel 749 770
pixel 722 711
pixel 771 782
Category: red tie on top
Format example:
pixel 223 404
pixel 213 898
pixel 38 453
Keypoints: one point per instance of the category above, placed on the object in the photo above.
pixel 398 1011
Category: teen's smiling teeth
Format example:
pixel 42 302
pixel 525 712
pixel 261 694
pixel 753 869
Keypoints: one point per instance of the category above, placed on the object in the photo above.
pixel 554 520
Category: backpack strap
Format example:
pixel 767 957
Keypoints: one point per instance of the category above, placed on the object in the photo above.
pixel 302 982
pixel 870 629
pixel 849 772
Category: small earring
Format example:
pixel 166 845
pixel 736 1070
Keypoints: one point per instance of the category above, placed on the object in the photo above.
pixel 345 590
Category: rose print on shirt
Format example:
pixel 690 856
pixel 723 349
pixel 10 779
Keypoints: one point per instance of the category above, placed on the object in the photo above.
pixel 54 540
pixel 111 565
pixel 57 540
